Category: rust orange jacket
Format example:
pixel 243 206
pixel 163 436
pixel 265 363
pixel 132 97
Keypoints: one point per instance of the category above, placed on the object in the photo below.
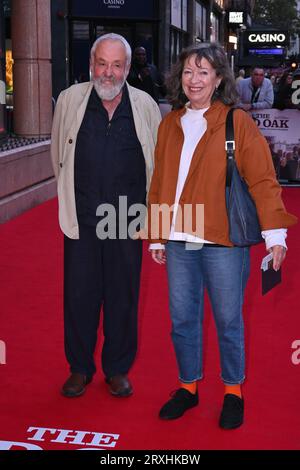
pixel 205 183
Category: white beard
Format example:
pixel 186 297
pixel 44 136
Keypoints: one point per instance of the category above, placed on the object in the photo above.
pixel 108 93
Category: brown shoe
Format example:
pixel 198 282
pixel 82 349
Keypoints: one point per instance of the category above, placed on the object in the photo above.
pixel 75 385
pixel 119 386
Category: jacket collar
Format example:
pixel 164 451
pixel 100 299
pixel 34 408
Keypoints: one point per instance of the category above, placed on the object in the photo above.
pixel 215 116
pixel 86 89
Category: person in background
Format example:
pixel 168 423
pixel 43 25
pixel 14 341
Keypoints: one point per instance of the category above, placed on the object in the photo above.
pixel 190 169
pixel 256 92
pixel 296 153
pixel 145 76
pixel 276 84
pixel 102 147
pixel 240 76
pixel 283 96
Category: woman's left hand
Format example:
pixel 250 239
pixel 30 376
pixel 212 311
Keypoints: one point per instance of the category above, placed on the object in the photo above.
pixel 279 253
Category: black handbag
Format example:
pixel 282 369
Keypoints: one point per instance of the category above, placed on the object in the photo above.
pixel 244 227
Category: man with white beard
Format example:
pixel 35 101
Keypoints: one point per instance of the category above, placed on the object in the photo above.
pixel 103 138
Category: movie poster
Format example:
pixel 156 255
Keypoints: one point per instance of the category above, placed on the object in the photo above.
pixel 281 129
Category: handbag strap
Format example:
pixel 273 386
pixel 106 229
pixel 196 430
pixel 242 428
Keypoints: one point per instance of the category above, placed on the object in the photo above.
pixel 229 146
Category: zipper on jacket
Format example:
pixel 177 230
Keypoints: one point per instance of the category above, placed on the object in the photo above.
pixel 108 128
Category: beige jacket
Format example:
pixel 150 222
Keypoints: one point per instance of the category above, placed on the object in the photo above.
pixel 68 116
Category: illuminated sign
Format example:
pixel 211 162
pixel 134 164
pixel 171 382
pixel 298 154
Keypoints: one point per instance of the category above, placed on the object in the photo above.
pixel 236 17
pixel 9 70
pixel 267 38
pixel 266 51
pixel 113 8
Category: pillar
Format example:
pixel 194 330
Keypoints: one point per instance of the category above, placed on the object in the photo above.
pixel 31 47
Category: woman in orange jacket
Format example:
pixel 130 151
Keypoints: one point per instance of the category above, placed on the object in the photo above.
pixel 190 173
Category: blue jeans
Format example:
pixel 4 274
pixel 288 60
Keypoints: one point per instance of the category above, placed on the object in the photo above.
pixel 224 272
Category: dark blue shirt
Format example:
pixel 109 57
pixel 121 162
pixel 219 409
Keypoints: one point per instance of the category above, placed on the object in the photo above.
pixel 109 160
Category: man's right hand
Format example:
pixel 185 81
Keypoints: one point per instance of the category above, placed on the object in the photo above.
pixel 246 107
pixel 159 256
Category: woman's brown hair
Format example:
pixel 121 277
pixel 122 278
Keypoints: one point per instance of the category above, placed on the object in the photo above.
pixel 215 55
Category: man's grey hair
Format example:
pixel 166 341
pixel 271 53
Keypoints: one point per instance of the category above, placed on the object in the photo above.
pixel 112 37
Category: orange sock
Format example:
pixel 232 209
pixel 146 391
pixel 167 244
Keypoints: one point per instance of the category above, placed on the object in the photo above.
pixel 234 390
pixel 192 387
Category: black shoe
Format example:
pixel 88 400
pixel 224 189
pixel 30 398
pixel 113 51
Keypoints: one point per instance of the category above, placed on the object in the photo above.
pixel 232 415
pixel 181 401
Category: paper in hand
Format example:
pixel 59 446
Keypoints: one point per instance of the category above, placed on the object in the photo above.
pixel 270 277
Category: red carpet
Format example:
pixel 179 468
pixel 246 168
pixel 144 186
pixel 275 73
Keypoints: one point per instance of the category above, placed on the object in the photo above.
pixel 31 327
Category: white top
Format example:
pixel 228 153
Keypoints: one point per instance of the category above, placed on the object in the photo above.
pixel 194 126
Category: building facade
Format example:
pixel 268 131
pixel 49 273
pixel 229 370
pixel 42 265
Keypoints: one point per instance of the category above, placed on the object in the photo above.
pixel 295 41
pixel 163 27
pixel 47 46
pixel 26 173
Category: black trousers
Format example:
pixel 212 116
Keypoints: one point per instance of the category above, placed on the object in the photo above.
pixel 101 273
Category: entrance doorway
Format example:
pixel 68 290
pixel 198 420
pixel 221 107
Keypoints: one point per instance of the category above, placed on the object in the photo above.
pixel 83 33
